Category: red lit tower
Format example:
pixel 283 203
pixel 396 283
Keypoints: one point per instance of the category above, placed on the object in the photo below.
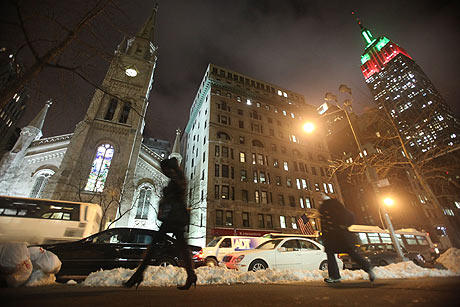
pixel 400 86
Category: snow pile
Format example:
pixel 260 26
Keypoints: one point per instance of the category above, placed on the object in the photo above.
pixel 172 276
pixel 451 259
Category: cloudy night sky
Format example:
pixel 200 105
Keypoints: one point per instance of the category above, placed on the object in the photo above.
pixel 310 47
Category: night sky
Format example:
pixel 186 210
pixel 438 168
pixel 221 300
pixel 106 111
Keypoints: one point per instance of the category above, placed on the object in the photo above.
pixel 310 47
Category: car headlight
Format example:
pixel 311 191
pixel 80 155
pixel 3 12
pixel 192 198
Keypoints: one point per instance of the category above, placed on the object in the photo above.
pixel 237 260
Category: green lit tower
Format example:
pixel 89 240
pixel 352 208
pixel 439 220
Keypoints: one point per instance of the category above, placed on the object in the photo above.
pixel 401 87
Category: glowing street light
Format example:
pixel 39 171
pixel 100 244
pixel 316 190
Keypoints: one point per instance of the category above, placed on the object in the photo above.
pixel 389 201
pixel 308 127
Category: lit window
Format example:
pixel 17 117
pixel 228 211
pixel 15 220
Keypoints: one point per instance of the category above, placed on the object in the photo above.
pixel 41 179
pixel 144 201
pixel 248 102
pixel 100 168
pixel 280 93
pixel 282 221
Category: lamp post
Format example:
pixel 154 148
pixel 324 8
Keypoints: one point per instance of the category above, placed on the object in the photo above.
pixel 371 175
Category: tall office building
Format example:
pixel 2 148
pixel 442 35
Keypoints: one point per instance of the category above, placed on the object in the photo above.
pixel 251 169
pixel 401 87
pixel 12 112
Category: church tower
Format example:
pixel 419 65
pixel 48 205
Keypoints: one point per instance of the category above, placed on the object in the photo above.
pixel 101 158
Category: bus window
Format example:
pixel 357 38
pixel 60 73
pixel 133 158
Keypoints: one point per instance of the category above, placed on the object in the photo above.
pixel 421 240
pixel 363 238
pixel 374 237
pixel 410 239
pixel 385 237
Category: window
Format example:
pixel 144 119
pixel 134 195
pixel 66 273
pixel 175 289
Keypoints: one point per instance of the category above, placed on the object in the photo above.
pixel 264 197
pixel 289 182
pixel 260 159
pixel 111 109
pixel 223 135
pixel 225 192
pixel 216 192
pixel 257 143
pixel 308 202
pixel 241 124
pixel 282 221
pixel 224 170
pixel 228 218
pixel 301 202
pixel 257 196
pixel 41 179
pixel 100 168
pixel 255 176
pixel 260 219
pixel 268 221
pixel 313 170
pixel 331 187
pixel 244 175
pixel 217 151
pixel 240 112
pixel 281 199
pixel 285 166
pixel 144 201
pixel 216 170
pixel 219 217
pixel 125 113
pixel 244 196
pixel 275 163
pixel 224 152
pixel 245 217
pixel 278 181
pixel 317 189
pixel 293 222
pixel 242 157
pixel 273 146
pixel 241 139
pixel 262 178
pixel 292 201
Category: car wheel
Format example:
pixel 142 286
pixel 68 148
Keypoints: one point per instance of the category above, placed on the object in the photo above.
pixel 258 265
pixel 166 262
pixel 210 262
pixel 323 266
pixel 383 263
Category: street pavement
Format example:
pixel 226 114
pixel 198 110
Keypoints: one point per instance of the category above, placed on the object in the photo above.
pixel 388 292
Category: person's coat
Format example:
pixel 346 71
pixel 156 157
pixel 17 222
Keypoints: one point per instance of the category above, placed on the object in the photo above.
pixel 335 219
pixel 172 209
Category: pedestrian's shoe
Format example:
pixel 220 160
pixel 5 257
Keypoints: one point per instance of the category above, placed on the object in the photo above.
pixel 371 275
pixel 332 280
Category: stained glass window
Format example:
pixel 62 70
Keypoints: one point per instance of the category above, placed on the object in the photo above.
pixel 100 168
pixel 143 203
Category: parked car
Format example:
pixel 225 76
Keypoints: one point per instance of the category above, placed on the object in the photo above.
pixel 113 248
pixel 380 254
pixel 283 253
pixel 213 253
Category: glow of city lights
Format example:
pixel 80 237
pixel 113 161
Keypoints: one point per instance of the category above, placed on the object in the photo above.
pixel 309 127
pixel 389 201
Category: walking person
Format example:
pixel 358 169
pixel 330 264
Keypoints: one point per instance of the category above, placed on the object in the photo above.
pixel 175 217
pixel 335 219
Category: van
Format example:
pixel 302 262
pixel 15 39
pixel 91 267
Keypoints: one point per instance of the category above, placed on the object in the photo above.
pixel 213 253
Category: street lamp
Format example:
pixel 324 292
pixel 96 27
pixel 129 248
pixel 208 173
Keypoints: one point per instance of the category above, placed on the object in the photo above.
pixel 308 127
pixel 388 201
pixel 371 175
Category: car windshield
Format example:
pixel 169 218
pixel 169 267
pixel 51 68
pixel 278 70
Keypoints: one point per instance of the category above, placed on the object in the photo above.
pixel 214 242
pixel 269 244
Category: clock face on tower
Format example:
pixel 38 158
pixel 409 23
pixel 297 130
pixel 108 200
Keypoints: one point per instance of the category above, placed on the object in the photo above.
pixel 131 72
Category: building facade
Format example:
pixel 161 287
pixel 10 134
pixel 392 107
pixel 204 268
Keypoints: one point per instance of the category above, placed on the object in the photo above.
pixel 250 166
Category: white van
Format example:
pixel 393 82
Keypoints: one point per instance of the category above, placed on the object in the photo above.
pixel 213 253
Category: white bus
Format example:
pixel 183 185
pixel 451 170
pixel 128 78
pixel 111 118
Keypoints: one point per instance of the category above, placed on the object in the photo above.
pixel 411 239
pixel 38 221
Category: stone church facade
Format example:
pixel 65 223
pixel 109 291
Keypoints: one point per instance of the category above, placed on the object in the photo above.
pixel 104 160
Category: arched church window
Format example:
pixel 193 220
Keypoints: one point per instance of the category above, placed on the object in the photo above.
pixel 223 135
pixel 143 201
pixel 125 113
pixel 111 110
pixel 100 168
pixel 41 179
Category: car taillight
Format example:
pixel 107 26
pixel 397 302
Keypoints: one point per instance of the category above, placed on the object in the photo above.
pixel 199 255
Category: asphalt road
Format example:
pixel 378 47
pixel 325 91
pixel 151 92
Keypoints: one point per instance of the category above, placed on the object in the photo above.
pixel 400 292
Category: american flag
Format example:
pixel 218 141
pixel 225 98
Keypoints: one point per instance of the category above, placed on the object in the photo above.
pixel 305 225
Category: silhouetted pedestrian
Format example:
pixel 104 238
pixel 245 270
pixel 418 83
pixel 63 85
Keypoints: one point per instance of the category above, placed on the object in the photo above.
pixel 175 217
pixel 335 219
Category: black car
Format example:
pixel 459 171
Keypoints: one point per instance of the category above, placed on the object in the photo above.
pixel 114 248
pixel 380 254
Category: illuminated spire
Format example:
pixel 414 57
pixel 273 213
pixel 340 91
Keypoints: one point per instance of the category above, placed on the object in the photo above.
pixel 148 29
pixel 367 35
pixel 39 119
